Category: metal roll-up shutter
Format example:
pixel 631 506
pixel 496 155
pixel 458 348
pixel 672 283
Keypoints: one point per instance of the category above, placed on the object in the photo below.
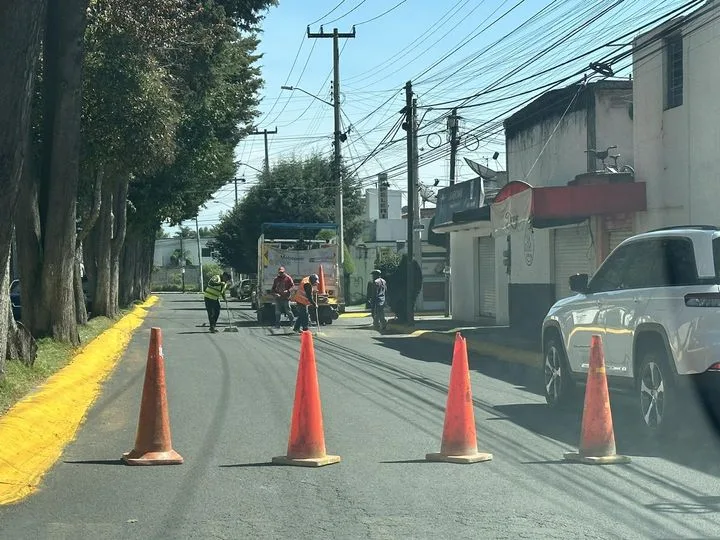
pixel 574 254
pixel 617 236
pixel 486 275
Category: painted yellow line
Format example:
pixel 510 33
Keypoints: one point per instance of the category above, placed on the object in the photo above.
pixel 35 431
pixel 352 315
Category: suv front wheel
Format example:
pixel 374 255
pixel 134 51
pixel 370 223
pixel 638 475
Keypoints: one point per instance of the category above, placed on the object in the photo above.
pixel 556 374
pixel 656 392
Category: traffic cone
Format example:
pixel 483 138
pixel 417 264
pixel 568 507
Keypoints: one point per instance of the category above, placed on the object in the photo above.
pixel 306 445
pixel 321 280
pixel 153 444
pixel 597 438
pixel 459 440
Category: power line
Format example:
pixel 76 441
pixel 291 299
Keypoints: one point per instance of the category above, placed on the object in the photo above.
pixel 383 13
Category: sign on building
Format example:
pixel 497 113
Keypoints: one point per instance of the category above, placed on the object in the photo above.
pixel 462 196
pixel 383 205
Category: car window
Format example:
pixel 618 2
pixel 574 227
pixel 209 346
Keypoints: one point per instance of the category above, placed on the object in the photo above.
pixel 716 256
pixel 675 263
pixel 610 275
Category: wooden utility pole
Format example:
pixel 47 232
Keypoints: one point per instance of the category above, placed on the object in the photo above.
pixel 265 133
pixel 337 162
pixel 409 126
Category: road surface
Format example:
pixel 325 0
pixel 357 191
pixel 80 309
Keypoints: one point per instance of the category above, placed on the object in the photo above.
pixel 383 398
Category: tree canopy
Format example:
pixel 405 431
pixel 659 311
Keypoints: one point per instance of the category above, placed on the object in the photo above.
pixel 296 190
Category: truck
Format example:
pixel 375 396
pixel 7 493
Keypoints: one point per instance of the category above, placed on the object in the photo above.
pixel 296 247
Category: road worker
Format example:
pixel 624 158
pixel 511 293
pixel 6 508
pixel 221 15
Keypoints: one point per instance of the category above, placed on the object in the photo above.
pixel 213 292
pixel 305 297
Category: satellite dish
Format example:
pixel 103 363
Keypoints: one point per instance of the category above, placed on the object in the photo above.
pixel 481 170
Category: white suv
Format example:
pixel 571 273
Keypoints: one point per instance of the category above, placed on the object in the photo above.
pixel 655 301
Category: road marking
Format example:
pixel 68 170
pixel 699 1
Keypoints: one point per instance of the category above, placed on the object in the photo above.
pixel 36 430
pixel 352 315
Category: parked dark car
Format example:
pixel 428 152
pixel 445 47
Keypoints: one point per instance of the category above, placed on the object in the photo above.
pixel 15 295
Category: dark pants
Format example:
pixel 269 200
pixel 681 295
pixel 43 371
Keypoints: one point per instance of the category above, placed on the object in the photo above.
pixel 213 310
pixel 303 318
pixel 378 315
pixel 283 306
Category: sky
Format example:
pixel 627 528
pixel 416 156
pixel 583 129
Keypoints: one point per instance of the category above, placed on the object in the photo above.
pixel 490 57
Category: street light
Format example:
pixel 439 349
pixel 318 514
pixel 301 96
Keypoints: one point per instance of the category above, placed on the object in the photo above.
pixel 338 137
pixel 253 168
pixel 307 93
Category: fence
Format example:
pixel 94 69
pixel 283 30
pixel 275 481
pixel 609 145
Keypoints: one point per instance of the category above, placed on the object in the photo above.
pixel 170 279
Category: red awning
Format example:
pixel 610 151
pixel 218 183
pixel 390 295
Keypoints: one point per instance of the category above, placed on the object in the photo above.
pixel 561 205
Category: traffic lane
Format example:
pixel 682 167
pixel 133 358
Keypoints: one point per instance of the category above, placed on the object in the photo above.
pixel 383 412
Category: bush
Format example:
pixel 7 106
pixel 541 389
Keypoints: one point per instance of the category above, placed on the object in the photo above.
pixel 394 270
pixel 209 270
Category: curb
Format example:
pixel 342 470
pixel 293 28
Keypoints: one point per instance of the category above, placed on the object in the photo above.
pixel 36 430
pixel 503 353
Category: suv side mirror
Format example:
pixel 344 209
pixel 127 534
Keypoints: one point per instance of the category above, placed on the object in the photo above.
pixel 579 283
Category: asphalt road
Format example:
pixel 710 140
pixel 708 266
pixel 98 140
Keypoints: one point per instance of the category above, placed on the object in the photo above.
pixel 230 398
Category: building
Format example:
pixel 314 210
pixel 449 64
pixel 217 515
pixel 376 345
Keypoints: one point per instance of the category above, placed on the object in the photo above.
pixel 676 72
pixel 389 234
pixel 561 212
pixel 167 250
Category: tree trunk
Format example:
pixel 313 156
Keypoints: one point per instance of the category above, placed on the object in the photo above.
pixel 20 27
pixel 63 55
pixel 88 222
pixel 102 236
pixel 81 315
pixel 120 205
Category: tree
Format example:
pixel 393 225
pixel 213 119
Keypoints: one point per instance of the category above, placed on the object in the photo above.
pixel 297 190
pixel 206 232
pixel 216 83
pixel 20 29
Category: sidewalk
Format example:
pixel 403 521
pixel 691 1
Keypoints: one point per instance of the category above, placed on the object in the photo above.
pixel 500 342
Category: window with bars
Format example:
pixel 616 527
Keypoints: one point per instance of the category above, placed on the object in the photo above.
pixel 673 71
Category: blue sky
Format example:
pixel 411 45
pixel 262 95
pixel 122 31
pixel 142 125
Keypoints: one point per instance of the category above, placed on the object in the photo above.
pixel 508 51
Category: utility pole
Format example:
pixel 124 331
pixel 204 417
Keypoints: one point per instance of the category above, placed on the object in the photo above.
pixel 417 240
pixel 337 162
pixel 182 260
pixel 412 197
pixel 453 124
pixel 199 250
pixel 265 133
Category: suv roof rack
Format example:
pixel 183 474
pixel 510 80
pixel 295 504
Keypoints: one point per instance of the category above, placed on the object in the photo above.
pixel 697 227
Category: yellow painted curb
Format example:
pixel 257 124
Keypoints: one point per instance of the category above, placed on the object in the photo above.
pixel 352 315
pixel 34 432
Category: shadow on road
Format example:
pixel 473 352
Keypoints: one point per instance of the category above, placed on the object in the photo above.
pixel 96 462
pixel 250 465
pixel 695 443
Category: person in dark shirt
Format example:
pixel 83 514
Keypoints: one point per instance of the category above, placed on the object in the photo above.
pixel 281 290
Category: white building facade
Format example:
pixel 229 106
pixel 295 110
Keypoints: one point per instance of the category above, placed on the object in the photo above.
pixel 676 76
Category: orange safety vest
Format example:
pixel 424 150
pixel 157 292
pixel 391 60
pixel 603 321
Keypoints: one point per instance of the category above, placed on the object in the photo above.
pixel 300 296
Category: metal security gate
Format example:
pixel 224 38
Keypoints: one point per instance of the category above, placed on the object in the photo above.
pixel 617 236
pixel 486 276
pixel 574 254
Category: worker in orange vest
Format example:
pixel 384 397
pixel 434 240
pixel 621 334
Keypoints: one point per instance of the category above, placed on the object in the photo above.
pixel 304 298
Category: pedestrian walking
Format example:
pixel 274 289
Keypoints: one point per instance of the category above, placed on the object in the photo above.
pixel 377 299
pixel 213 292
pixel 281 290
pixel 304 298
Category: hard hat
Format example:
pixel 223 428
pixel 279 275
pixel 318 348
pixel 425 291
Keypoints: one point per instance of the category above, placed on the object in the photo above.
pixel 376 271
pixel 215 279
pixel 314 278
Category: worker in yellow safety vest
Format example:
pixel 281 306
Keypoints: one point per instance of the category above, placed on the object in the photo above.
pixel 304 298
pixel 214 290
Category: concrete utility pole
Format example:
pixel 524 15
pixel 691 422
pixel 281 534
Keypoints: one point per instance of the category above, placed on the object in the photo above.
pixel 409 125
pixel 265 133
pixel 337 162
pixel 453 124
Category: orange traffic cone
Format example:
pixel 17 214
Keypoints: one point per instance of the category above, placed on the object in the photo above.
pixel 321 280
pixel 153 444
pixel 459 440
pixel 597 438
pixel 306 445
